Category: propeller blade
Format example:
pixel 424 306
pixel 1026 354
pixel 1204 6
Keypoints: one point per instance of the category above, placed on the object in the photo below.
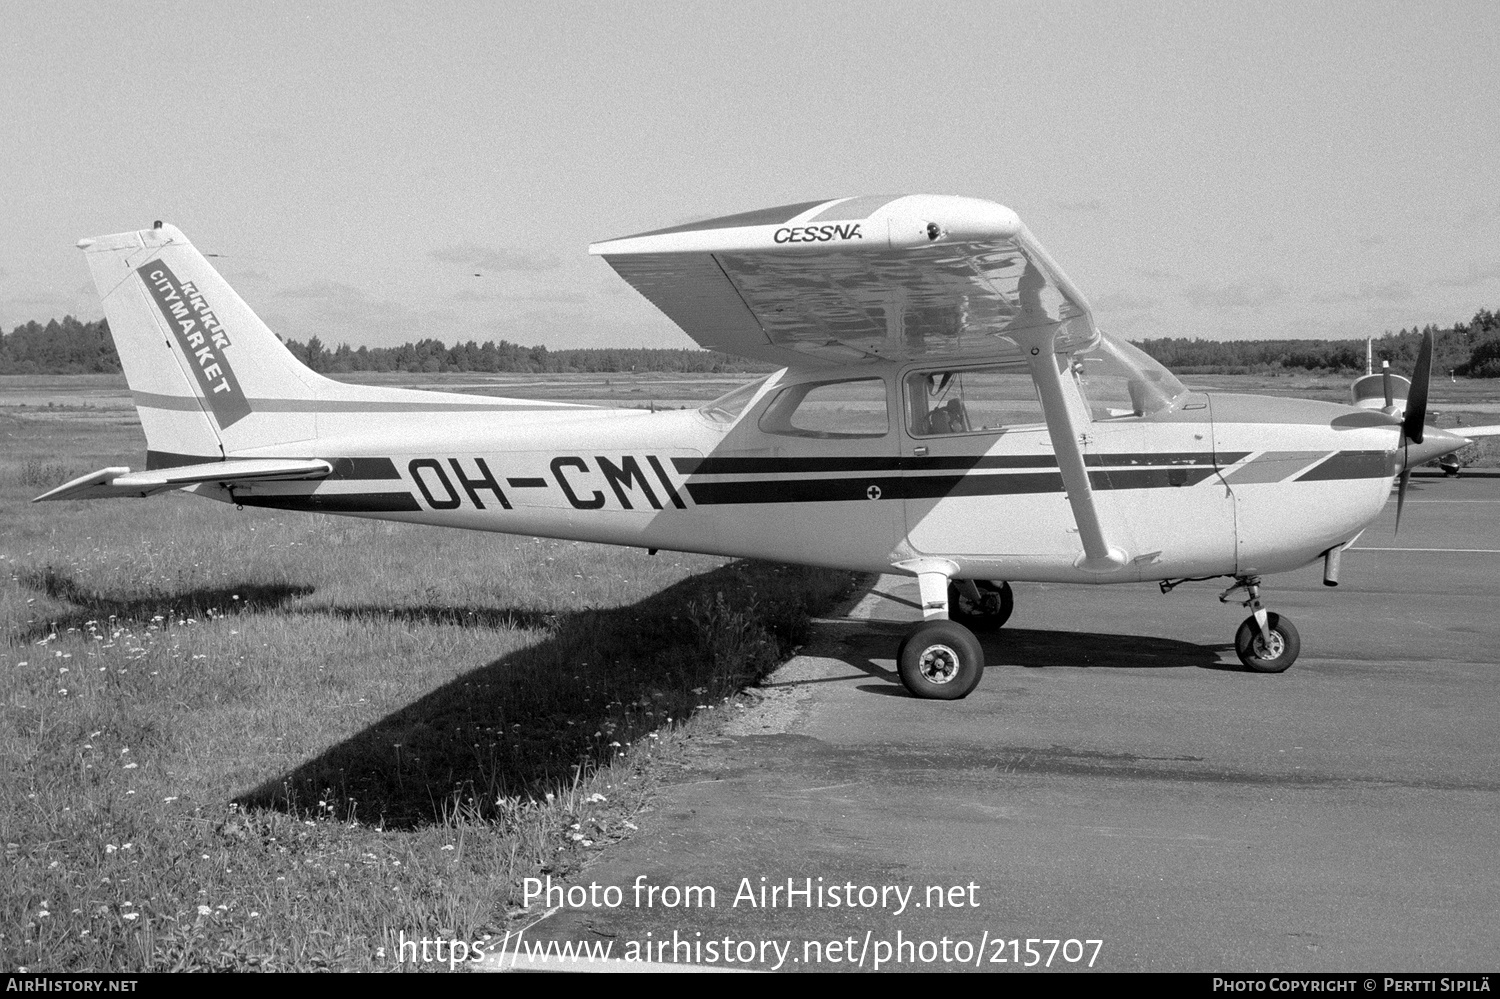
pixel 1416 402
pixel 1385 380
pixel 1401 496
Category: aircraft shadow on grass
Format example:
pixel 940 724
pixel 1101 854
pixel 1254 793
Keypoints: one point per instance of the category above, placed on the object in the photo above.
pixel 598 682
pixel 201 603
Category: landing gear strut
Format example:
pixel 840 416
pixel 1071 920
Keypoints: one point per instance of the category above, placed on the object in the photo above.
pixel 1265 642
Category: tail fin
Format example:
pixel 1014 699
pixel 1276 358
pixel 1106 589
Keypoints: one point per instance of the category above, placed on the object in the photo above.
pixel 211 382
pixel 201 365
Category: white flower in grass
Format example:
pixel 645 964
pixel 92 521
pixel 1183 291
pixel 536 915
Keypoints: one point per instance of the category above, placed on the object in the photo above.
pixel 204 910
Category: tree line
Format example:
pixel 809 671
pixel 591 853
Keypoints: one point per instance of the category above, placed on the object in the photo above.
pixel 68 346
pixel 1471 349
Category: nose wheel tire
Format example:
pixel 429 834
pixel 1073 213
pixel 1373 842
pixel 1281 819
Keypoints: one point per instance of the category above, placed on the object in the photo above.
pixel 1267 657
pixel 940 660
pixel 989 612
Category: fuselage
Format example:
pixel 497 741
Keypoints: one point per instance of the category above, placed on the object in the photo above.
pixel 868 467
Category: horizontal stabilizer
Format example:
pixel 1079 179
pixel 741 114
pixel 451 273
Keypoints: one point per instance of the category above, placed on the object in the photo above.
pixel 111 483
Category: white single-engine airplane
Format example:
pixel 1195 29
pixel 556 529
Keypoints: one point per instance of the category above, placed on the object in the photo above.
pixel 948 409
pixel 1388 393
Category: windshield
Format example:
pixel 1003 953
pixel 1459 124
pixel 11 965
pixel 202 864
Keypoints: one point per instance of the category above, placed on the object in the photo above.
pixel 1120 380
pixel 728 407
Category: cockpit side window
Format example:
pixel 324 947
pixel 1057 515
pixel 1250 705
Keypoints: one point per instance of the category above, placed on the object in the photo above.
pixel 970 400
pixel 838 410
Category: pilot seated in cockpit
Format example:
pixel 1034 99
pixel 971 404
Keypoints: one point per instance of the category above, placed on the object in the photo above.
pixel 949 418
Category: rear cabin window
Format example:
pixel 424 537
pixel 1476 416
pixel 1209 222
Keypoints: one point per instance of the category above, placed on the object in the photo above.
pixel 728 407
pixel 972 400
pixel 836 410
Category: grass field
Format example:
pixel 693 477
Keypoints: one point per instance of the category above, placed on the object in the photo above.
pixel 265 740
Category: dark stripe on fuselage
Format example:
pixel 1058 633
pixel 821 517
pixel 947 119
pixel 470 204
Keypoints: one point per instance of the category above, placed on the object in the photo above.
pixel 343 468
pixel 363 468
pixel 170 459
pixel 872 488
pixel 789 466
pixel 1149 478
pixel 336 502
pixel 1350 465
pixel 1163 458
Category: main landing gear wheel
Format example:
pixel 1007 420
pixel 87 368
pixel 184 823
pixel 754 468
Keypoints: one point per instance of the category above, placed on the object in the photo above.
pixel 989 612
pixel 1267 657
pixel 940 660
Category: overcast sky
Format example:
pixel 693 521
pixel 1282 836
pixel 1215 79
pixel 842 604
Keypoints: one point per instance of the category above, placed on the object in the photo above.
pixel 1206 169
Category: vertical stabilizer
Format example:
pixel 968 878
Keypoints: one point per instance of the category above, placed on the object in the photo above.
pixel 207 376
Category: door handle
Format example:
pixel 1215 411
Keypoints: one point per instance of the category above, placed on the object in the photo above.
pixel 919 450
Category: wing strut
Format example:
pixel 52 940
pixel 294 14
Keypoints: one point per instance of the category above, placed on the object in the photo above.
pixel 1098 554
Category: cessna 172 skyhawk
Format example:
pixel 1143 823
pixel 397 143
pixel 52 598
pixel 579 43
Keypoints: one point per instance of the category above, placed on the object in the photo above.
pixel 948 409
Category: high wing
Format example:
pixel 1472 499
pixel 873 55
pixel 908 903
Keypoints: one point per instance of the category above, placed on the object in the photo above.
pixel 830 282
pixel 108 483
pixel 881 278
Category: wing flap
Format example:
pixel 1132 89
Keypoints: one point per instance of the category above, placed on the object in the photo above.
pixel 121 482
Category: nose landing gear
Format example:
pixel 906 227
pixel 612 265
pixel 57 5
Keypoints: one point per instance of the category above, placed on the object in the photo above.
pixel 1265 642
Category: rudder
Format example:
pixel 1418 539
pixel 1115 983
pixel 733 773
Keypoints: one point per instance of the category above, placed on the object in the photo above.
pixel 207 376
